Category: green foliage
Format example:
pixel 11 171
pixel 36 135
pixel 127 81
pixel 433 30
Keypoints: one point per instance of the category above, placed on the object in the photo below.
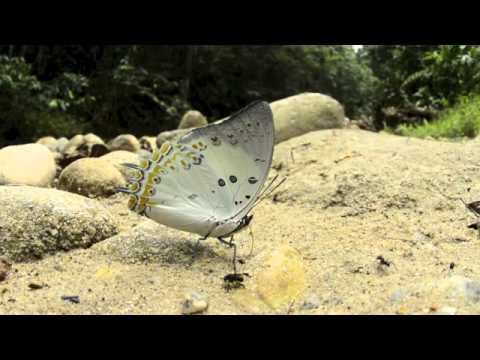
pixel 225 78
pixel 30 108
pixel 422 76
pixel 63 90
pixel 463 120
pixel 131 99
pixel 451 71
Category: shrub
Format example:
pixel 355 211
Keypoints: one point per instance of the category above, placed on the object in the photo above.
pixel 463 120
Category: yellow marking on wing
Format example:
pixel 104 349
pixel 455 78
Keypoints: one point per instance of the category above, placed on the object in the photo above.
pixel 134 187
pixel 165 148
pixel 144 164
pixel 157 156
pixel 132 202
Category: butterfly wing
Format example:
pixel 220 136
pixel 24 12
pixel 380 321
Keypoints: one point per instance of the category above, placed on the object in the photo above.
pixel 239 153
pixel 211 175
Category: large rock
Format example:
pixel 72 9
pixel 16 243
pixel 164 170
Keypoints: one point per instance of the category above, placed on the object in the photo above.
pixel 117 158
pixel 171 136
pixel 192 119
pixel 30 164
pixel 91 177
pixel 35 222
pixel 300 114
pixel 125 142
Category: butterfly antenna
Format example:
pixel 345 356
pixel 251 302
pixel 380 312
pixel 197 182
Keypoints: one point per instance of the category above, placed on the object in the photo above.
pixel 268 186
pixel 253 239
pixel 263 196
pixel 454 198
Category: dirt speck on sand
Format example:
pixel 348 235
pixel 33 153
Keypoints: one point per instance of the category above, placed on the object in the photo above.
pixel 372 218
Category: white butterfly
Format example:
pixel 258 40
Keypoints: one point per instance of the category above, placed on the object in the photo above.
pixel 208 181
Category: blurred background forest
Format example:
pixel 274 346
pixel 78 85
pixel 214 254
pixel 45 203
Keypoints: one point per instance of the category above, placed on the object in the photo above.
pixel 414 90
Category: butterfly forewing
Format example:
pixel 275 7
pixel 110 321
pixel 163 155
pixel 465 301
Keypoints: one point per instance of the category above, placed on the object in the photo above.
pixel 239 153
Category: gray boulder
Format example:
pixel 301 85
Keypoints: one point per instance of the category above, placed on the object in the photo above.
pixel 35 222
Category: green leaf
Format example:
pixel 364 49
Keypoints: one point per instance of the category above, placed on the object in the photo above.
pixel 53 104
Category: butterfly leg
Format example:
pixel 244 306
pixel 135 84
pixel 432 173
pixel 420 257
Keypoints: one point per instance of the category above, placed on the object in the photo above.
pixel 232 244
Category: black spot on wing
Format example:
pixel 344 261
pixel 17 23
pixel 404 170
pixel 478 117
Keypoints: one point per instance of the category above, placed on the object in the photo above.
pixel 233 179
pixel 252 180
pixel 221 182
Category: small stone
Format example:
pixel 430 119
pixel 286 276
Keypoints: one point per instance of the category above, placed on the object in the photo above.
pixel 282 277
pixel 35 286
pixel 92 139
pixel 91 176
pixel 125 142
pixel 5 267
pixel 73 299
pixel 62 144
pixel 398 295
pixel 311 302
pixel 49 141
pixel 472 291
pixel 447 310
pixel 194 303
pixel 192 119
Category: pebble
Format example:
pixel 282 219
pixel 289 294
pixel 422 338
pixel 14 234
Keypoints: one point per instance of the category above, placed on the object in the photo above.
pixel 194 303
pixel 447 310
pixel 5 267
pixel 73 299
pixel 311 302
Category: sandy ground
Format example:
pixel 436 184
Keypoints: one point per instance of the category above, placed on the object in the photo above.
pixel 369 216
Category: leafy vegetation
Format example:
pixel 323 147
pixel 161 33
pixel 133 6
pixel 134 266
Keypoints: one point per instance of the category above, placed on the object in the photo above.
pixel 462 120
pixel 64 90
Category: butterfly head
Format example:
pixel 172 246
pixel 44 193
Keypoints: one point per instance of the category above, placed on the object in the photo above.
pixel 243 223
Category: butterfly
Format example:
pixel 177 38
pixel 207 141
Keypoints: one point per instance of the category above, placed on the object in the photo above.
pixel 208 181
